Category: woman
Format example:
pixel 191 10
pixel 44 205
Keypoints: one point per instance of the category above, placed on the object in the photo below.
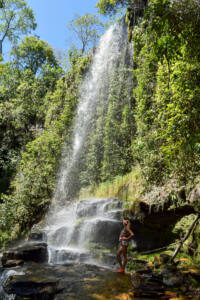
pixel 125 235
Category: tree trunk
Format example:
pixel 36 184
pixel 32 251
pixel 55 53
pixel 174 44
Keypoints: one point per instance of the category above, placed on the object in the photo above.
pixel 1 42
pixel 185 238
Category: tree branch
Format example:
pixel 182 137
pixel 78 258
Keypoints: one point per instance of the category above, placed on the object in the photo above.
pixel 185 238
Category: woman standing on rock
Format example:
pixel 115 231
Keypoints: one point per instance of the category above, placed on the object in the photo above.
pixel 125 235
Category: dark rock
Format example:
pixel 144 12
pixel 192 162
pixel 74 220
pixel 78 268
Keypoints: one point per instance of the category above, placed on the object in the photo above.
pixel 28 252
pixel 164 258
pixel 157 213
pixel 172 280
pixel 172 277
pixel 147 285
pixel 140 261
pixel 106 232
pixel 59 237
pixel 147 233
pixel 67 255
pixel 38 236
pixel 194 198
pixel 72 281
pixel 108 259
pixel 90 207
pixel 114 214
pixel 13 263
pixel 101 231
pixel 144 271
pixel 31 289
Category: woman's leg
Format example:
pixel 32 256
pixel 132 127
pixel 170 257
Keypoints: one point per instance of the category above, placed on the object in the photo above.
pixel 119 252
pixel 125 257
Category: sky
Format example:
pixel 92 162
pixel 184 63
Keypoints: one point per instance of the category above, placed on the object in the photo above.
pixel 52 17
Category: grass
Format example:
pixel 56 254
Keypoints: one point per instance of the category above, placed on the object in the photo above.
pixel 128 188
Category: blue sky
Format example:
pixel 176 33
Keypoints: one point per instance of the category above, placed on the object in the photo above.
pixel 52 17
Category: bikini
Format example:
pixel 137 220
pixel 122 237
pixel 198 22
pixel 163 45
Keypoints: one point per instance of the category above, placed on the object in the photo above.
pixel 124 233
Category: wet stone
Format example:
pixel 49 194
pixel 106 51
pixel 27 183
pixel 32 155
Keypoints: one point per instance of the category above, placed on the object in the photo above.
pixel 13 263
pixel 38 237
pixel 31 289
pixel 70 281
pixel 164 258
pixel 59 236
pixel 29 252
pixel 172 280
pixel 106 232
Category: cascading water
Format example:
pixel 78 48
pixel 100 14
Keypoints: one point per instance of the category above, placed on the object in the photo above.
pixel 112 50
pixel 77 231
pixel 3 278
pixel 74 231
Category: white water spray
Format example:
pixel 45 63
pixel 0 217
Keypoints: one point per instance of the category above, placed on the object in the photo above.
pixel 3 278
pixel 75 230
pixel 110 52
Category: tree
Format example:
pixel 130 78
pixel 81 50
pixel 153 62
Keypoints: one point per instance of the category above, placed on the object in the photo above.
pixel 87 29
pixel 33 54
pixel 1 3
pixel 111 7
pixel 16 18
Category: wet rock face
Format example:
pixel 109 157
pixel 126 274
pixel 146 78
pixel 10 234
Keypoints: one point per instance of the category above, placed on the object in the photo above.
pixel 71 281
pixel 106 233
pixel 13 263
pixel 28 252
pixel 59 237
pixel 31 289
pixel 37 237
pixel 159 216
pixel 88 226
pixel 194 198
pixel 87 208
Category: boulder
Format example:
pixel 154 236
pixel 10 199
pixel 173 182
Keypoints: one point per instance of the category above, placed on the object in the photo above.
pixel 28 252
pixel 59 237
pixel 13 263
pixel 106 232
pixel 194 198
pixel 31 289
pixel 93 207
pixel 37 237
pixel 147 232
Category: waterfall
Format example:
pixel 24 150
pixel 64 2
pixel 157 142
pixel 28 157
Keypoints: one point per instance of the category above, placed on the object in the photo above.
pixel 84 230
pixel 112 49
pixel 3 278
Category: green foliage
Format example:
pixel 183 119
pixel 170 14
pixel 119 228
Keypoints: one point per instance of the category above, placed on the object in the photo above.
pixel 22 107
pixel 33 54
pixel 109 7
pixel 1 3
pixel 16 18
pixel 128 188
pixel 41 119
pixel 167 93
pixel 107 151
pixel 119 127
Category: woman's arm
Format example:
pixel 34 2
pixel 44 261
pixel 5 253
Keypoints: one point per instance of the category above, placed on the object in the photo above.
pixel 131 234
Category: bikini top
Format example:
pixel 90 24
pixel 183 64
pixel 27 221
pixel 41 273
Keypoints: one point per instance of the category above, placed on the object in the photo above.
pixel 124 233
